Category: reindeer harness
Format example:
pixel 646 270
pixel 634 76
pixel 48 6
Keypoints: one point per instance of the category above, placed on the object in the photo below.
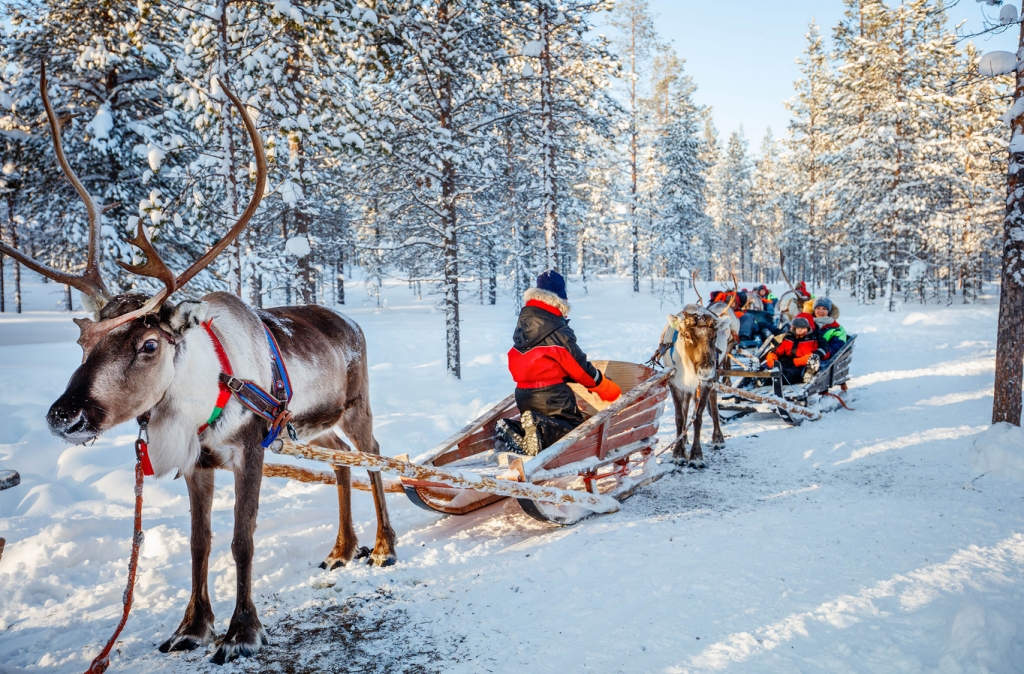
pixel 271 406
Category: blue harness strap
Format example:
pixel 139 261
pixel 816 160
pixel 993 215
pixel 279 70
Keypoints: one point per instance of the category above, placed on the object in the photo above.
pixel 270 406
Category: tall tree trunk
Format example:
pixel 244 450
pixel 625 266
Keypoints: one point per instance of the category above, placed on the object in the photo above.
pixel 451 273
pixel 227 148
pixel 1006 398
pixel 17 266
pixel 339 292
pixel 3 293
pixel 549 184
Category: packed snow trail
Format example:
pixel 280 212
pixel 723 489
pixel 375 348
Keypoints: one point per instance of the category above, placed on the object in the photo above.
pixel 871 541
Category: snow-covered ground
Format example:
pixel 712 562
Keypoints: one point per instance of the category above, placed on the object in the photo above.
pixel 885 539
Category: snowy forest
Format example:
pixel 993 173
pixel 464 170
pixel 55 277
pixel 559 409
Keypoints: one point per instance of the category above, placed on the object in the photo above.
pixel 463 146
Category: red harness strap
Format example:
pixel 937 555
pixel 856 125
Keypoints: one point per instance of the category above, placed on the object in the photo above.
pixel 225 365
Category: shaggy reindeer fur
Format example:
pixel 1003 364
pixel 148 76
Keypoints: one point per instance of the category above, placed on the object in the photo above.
pixel 700 332
pixel 176 380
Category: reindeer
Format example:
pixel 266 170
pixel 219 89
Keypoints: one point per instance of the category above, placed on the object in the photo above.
pixel 701 343
pixel 149 359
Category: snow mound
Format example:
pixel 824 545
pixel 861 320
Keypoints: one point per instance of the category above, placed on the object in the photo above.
pixel 1000 450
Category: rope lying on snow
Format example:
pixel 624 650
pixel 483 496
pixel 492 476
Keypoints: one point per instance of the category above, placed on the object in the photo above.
pixel 100 664
pixel 841 402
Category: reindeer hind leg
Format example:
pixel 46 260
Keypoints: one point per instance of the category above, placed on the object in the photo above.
pixel 357 422
pixel 717 437
pixel 347 542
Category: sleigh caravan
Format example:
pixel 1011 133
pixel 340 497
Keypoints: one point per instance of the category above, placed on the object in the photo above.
pixel 600 463
pixel 765 391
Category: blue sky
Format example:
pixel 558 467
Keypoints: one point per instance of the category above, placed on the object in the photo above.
pixel 742 54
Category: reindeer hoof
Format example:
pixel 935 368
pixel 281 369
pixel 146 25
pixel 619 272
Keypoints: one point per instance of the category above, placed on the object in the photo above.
pixel 679 460
pixel 381 558
pixel 189 638
pixel 697 463
pixel 339 558
pixel 175 644
pixel 232 649
pixel 717 444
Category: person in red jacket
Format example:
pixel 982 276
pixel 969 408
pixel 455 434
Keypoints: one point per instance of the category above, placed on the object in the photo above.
pixel 800 353
pixel 544 358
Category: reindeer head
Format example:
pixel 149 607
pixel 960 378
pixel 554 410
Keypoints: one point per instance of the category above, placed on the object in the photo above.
pixel 128 352
pixel 698 330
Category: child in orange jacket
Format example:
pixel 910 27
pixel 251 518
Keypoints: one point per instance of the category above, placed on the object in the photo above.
pixel 799 355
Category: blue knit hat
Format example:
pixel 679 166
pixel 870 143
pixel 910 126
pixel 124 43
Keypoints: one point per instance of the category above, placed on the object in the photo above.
pixel 823 302
pixel 553 282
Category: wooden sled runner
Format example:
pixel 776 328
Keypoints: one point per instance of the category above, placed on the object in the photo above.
pixel 793 403
pixel 598 457
pixel 600 463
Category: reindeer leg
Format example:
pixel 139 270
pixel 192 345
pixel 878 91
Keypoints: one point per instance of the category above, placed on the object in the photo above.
pixel 682 405
pixel 696 453
pixel 196 628
pixel 347 542
pixel 357 422
pixel 245 633
pixel 717 438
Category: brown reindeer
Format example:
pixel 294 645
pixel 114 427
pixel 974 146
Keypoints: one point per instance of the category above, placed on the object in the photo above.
pixel 700 344
pixel 148 357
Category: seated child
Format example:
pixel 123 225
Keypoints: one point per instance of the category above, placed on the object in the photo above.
pixel 832 333
pixel 545 357
pixel 800 353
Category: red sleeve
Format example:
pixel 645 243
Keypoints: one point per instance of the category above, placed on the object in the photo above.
pixel 573 369
pixel 784 348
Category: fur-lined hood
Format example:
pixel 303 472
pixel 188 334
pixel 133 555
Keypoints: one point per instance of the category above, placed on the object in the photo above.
pixel 549 298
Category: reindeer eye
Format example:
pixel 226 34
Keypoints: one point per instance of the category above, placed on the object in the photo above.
pixel 149 346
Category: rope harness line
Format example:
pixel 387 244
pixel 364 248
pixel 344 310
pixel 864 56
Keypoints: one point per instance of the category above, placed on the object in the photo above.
pixel 102 661
pixel 841 402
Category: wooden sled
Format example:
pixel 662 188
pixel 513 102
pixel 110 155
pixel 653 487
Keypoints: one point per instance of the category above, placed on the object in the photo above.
pixel 612 453
pixel 794 404
pixel 590 470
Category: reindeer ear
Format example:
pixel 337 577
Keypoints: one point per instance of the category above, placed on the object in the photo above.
pixel 186 316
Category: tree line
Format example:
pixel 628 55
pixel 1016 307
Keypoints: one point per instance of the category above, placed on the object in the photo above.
pixel 463 146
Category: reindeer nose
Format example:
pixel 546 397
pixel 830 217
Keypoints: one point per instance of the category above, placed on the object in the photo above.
pixel 66 423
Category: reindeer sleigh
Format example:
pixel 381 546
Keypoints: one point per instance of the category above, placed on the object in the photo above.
pixel 593 468
pixel 766 390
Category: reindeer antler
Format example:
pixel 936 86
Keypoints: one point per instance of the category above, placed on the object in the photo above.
pixel 89 282
pixel 782 267
pixel 693 281
pixel 155 267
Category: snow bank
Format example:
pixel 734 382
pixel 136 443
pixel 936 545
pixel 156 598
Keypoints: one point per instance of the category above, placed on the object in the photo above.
pixel 1000 450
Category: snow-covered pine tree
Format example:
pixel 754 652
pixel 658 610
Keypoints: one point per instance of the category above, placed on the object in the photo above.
pixel 104 65
pixel 442 96
pixel 808 141
pixel 637 41
pixel 733 226
pixel 682 201
pixel 571 72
